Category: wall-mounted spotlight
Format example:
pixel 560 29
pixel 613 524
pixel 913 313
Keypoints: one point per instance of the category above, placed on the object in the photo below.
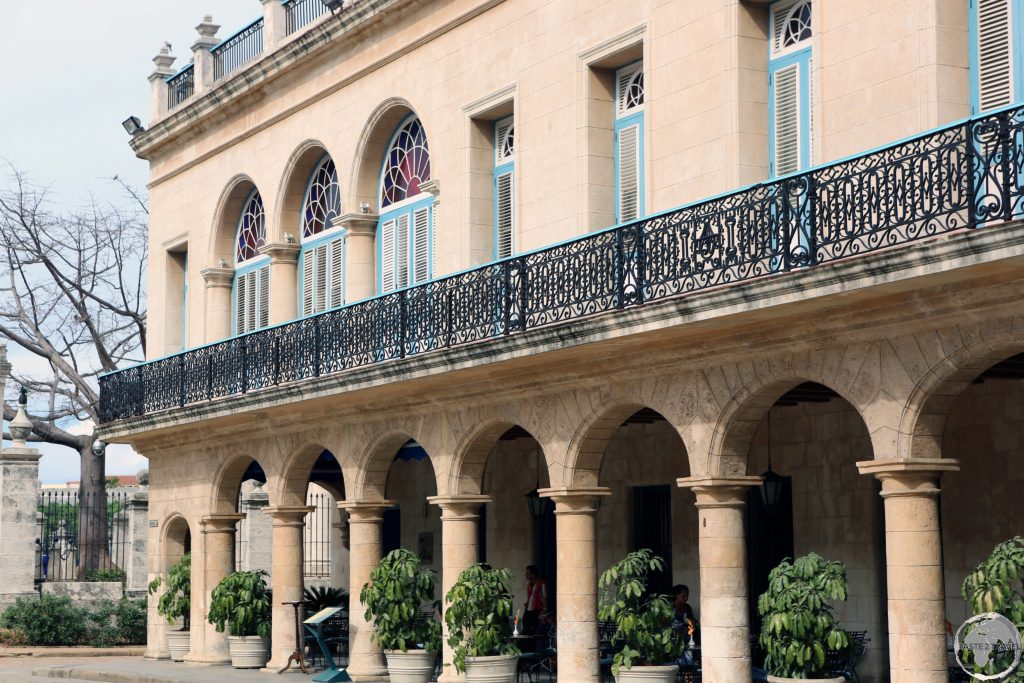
pixel 223 263
pixel 133 125
pixel 289 238
pixel 364 207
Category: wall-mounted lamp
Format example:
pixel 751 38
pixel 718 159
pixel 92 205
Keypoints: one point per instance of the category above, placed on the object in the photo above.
pixel 223 263
pixel 364 207
pixel 133 125
pixel 289 238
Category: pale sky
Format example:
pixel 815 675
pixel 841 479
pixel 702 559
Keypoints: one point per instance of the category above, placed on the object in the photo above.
pixel 71 72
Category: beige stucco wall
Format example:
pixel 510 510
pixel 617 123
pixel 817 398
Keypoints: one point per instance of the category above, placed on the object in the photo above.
pixel 885 69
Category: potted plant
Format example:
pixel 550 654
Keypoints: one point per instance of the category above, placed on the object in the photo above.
pixel 478 614
pixel 996 585
pixel 798 626
pixel 648 646
pixel 241 603
pixel 176 604
pixel 394 596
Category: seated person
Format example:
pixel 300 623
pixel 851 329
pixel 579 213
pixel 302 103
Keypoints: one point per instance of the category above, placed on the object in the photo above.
pixel 685 622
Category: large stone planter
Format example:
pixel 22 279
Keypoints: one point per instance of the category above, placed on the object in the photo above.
pixel 248 652
pixel 178 644
pixel 410 666
pixel 497 669
pixel 648 674
pixel 780 679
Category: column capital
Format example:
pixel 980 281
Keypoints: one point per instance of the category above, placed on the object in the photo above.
pixel 465 506
pixel 220 523
pixel 719 491
pixel 292 515
pixel 575 501
pixel 365 510
pixel 218 276
pixel 909 477
pixel 282 252
pixel 358 224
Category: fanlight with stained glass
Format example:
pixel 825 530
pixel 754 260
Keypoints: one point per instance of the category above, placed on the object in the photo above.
pixel 323 199
pixel 798 24
pixel 252 232
pixel 406 165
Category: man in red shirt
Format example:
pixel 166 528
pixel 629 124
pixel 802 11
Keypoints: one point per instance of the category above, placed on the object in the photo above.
pixel 536 599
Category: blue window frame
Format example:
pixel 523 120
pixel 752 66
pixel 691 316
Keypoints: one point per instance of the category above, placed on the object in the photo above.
pixel 629 143
pixel 789 88
pixel 184 302
pixel 251 287
pixel 322 257
pixel 504 187
pixel 996 29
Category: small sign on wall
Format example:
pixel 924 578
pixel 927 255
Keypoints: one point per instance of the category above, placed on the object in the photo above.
pixel 154 523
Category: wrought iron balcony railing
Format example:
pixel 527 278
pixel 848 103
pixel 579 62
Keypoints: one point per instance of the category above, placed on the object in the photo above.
pixel 238 50
pixel 960 177
pixel 298 13
pixel 181 86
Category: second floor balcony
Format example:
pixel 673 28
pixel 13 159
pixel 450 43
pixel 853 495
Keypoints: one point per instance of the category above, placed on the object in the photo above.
pixel 954 180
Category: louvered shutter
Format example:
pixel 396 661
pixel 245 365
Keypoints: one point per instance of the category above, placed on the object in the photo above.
pixel 320 278
pixel 337 278
pixel 307 283
pixel 503 211
pixel 995 54
pixel 402 255
pixel 629 173
pixel 787 120
pixel 387 256
pixel 240 298
pixel 421 245
pixel 262 304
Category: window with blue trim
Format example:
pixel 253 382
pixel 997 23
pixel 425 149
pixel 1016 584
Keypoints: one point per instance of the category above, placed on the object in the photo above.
pixel 997 53
pixel 629 142
pixel 789 87
pixel 504 187
pixel 405 228
pixel 322 258
pixel 252 270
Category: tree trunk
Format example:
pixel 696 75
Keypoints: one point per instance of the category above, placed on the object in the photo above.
pixel 92 512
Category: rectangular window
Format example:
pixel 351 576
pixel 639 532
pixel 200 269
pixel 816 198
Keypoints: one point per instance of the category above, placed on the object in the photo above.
pixel 322 277
pixel 504 181
pixel 406 247
pixel 421 245
pixel 629 142
pixel 176 308
pixel 252 300
pixel 789 88
pixel 997 78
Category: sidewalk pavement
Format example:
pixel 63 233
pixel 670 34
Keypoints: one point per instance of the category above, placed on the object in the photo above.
pixel 31 669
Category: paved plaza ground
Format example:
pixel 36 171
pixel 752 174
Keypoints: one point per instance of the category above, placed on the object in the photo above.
pixel 29 669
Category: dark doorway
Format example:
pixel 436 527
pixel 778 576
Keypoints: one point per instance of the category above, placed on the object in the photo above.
pixel 391 533
pixel 545 551
pixel 652 528
pixel 769 541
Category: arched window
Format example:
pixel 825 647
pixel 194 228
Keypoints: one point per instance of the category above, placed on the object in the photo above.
pixel 405 229
pixel 796 24
pixel 789 86
pixel 252 270
pixel 323 244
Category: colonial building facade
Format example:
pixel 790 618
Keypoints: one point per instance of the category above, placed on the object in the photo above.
pixel 544 282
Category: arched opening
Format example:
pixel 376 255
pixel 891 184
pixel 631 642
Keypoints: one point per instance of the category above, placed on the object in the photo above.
pixel 251 284
pixel 810 440
pixel 325 539
pixel 984 430
pixel 412 522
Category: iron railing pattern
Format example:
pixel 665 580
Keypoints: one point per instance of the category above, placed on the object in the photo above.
pixel 299 13
pixel 238 50
pixel 65 522
pixel 967 175
pixel 181 86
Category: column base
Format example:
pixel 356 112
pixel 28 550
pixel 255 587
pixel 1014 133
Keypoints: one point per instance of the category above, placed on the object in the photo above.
pixel 208 661
pixel 450 675
pixel 368 675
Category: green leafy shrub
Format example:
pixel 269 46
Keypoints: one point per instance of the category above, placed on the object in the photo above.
pixel 175 603
pixel 319 597
pixel 117 623
pixel 13 637
pixel 643 622
pixel 112 574
pixel 241 603
pixel 394 596
pixel 46 620
pixel 479 608
pixel 996 585
pixel 798 625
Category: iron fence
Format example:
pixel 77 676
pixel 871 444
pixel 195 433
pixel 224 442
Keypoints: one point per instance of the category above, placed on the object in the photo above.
pixel 181 86
pixel 238 50
pixel 299 13
pixel 317 550
pixel 967 175
pixel 69 522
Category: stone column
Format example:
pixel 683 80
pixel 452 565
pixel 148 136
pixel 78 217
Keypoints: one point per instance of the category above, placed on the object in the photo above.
pixel 339 551
pixel 365 524
pixel 273 24
pixel 725 627
pixel 19 491
pixel 913 555
pixel 218 562
pixel 138 531
pixel 158 83
pixel 460 516
pixel 360 255
pixel 284 280
pixel 258 530
pixel 202 56
pixel 286 582
pixel 218 302
pixel 576 586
